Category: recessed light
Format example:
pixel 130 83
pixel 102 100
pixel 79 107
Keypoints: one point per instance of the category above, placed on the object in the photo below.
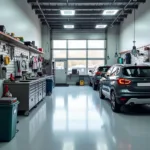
pixel 67 12
pixel 101 26
pixel 110 12
pixel 68 26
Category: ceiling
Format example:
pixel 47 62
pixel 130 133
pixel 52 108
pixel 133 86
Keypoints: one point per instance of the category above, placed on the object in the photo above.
pixel 88 12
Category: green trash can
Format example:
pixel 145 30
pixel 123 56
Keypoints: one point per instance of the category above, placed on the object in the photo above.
pixel 8 118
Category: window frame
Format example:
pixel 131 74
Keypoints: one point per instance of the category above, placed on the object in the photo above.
pixel 87 59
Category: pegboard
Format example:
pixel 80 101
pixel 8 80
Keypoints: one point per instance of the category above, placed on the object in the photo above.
pixel 11 68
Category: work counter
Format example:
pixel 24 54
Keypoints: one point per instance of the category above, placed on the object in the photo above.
pixel 29 93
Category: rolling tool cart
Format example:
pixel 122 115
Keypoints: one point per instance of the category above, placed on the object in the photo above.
pixel 8 118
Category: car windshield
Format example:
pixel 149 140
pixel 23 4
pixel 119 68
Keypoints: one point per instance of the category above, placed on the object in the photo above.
pixel 137 71
pixel 103 69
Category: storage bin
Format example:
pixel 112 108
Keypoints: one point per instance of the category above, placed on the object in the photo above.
pixel 8 121
pixel 49 86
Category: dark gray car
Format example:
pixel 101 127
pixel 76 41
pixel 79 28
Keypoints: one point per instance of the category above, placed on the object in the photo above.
pixel 124 84
pixel 96 76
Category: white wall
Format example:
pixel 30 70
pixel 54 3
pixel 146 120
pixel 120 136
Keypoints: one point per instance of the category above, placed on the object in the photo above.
pixel 78 34
pixel 142 28
pixel 19 18
pixel 112 41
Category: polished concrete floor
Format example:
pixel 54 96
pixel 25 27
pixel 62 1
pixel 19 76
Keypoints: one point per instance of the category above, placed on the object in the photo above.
pixel 74 118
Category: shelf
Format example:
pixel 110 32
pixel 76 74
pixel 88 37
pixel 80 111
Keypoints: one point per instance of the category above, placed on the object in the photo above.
pixel 14 42
pixel 142 47
pixel 34 50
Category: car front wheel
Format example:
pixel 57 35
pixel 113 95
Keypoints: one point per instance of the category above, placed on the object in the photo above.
pixel 114 105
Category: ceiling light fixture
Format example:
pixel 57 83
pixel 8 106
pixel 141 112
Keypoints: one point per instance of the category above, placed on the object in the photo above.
pixel 110 12
pixel 69 26
pixel 67 12
pixel 101 26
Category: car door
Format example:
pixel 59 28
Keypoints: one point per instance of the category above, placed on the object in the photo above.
pixel 112 79
pixel 105 82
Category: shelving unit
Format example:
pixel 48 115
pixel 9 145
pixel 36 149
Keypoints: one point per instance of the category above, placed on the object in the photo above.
pixel 128 51
pixel 14 42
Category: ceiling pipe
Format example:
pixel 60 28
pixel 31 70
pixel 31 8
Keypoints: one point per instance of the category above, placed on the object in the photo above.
pixel 37 2
pixel 121 12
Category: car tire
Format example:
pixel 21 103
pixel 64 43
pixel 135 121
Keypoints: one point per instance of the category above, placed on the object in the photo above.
pixel 101 95
pixel 90 84
pixel 114 105
pixel 94 87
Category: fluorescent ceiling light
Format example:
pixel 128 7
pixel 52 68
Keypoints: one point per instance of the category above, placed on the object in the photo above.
pixel 110 12
pixel 68 26
pixel 67 12
pixel 101 26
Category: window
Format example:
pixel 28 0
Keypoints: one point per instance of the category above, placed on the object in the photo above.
pixel 137 71
pixel 103 69
pixel 59 44
pixel 96 44
pixel 96 54
pixel 83 55
pixel 77 44
pixel 93 64
pixel 80 65
pixel 114 71
pixel 110 70
pixel 77 54
pixel 60 65
pixel 59 53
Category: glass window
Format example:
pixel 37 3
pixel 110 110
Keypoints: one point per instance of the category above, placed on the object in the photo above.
pixel 60 65
pixel 137 71
pixel 59 54
pixel 96 44
pixel 59 44
pixel 77 54
pixel 110 70
pixel 77 44
pixel 92 64
pixel 103 69
pixel 80 65
pixel 96 54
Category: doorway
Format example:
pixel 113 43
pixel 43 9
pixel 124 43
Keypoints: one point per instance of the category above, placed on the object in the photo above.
pixel 61 72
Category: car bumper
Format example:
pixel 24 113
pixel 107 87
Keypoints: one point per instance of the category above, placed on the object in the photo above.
pixel 132 98
pixel 138 101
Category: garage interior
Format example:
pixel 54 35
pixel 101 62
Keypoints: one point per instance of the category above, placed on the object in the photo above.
pixel 47 47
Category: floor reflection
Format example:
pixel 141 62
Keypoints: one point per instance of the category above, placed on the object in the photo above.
pixel 75 114
pixel 74 118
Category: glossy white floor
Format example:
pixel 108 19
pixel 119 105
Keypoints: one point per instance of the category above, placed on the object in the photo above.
pixel 76 119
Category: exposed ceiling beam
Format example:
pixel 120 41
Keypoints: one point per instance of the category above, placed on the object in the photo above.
pixel 77 13
pixel 83 1
pixel 57 12
pixel 80 21
pixel 81 17
pixel 85 7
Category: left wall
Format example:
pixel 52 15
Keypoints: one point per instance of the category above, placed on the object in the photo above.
pixel 19 18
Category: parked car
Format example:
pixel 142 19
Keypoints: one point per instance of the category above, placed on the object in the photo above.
pixel 95 76
pixel 124 84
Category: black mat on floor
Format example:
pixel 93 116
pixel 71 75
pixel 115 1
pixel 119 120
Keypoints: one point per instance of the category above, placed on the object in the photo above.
pixel 62 85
